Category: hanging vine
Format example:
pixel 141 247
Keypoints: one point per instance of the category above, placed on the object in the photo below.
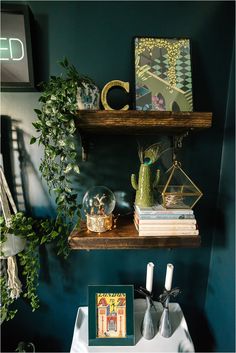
pixel 56 132
pixel 36 232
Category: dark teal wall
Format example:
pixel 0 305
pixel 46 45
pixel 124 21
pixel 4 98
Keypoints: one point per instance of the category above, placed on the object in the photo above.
pixel 97 38
pixel 220 299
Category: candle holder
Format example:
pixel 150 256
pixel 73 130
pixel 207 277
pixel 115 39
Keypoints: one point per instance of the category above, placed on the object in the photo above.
pixel 147 325
pixel 165 329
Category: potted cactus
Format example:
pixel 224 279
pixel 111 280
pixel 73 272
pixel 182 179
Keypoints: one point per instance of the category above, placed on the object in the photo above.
pixel 146 183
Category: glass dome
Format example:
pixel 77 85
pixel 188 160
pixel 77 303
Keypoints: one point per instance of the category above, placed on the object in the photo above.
pixel 99 200
pixel 98 204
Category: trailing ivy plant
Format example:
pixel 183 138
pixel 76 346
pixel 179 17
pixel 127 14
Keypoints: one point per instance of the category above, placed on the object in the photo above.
pixel 56 132
pixel 36 232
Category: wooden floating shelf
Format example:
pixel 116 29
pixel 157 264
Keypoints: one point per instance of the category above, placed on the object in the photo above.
pixel 140 122
pixel 125 236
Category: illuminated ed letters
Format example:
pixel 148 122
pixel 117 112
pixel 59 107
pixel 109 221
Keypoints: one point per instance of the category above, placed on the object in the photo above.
pixel 11 49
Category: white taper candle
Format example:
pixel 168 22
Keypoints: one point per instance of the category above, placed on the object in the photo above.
pixel 149 276
pixel 169 275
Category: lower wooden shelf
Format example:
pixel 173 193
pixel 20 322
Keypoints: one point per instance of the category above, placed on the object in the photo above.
pixel 125 236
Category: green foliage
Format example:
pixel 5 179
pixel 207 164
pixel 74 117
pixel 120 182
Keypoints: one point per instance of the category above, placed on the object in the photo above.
pixel 36 232
pixel 6 301
pixel 56 131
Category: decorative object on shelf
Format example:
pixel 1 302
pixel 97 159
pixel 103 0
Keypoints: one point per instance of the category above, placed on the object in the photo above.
pixel 98 204
pixel 111 315
pixel 88 96
pixel 56 132
pixel 178 191
pixel 107 87
pixel 165 328
pixel 147 326
pixel 158 221
pixel 145 186
pixel 163 75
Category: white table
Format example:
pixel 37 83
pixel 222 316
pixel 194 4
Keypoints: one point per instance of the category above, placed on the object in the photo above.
pixel 180 341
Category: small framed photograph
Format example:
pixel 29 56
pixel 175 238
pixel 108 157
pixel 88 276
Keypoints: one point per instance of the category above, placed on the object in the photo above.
pixel 15 48
pixel 163 75
pixel 111 315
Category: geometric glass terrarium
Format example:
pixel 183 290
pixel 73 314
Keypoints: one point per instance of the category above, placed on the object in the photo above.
pixel 179 190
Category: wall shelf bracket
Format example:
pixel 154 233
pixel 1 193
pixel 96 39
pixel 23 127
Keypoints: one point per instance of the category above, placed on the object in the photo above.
pixel 178 143
pixel 84 146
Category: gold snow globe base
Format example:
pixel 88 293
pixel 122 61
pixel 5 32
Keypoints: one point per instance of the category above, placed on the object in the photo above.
pixel 99 223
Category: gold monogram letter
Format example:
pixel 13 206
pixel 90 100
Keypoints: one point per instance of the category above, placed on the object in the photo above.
pixel 110 85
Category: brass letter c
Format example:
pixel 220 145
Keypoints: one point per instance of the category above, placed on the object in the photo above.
pixel 107 87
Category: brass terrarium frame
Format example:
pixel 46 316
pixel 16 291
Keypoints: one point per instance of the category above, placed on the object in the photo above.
pixel 174 199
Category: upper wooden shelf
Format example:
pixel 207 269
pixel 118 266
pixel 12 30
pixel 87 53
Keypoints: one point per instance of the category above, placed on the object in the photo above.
pixel 140 122
pixel 125 236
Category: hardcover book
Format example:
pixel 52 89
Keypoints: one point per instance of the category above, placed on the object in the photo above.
pixel 166 221
pixel 159 209
pixel 168 233
pixel 164 216
pixel 165 227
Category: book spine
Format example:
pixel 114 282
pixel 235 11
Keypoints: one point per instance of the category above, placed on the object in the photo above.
pixel 166 227
pixel 165 216
pixel 178 212
pixel 168 233
pixel 151 211
pixel 168 222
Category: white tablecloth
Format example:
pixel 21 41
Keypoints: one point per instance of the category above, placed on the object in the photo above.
pixel 180 341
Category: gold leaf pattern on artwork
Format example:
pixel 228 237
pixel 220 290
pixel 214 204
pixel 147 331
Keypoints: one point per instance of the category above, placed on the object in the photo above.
pixel 173 52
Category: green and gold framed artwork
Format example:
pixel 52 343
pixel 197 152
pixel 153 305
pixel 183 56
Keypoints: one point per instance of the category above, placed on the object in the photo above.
pixel 111 317
pixel 163 76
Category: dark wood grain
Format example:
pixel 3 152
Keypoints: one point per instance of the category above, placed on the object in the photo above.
pixel 125 236
pixel 140 122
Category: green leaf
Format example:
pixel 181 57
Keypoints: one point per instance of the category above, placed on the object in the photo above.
pixel 49 123
pixel 54 234
pixel 76 169
pixel 61 143
pixel 68 168
pixel 43 240
pixel 37 111
pixel 33 140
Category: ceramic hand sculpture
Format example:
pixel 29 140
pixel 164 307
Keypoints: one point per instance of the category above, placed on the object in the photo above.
pixel 145 185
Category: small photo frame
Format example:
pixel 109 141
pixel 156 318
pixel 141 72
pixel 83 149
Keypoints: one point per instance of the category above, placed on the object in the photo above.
pixel 163 75
pixel 111 315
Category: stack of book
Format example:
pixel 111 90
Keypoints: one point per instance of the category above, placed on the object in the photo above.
pixel 159 221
